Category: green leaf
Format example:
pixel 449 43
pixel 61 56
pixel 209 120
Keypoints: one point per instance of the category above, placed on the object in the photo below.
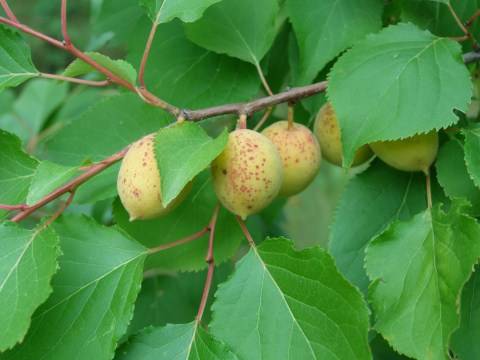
pixel 370 202
pixel 119 67
pixel 16 171
pixel 37 102
pixel 472 153
pixel 93 295
pixel 284 304
pixel 16 64
pixel 465 340
pixel 319 35
pixel 407 70
pixel 115 22
pixel 453 176
pixel 175 342
pixel 121 119
pixel 418 269
pixel 162 11
pixel 229 28
pixel 191 216
pixel 48 177
pixel 28 262
pixel 183 151
pixel 194 77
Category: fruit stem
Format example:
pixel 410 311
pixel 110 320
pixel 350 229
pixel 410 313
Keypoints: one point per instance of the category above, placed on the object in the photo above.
pixel 242 122
pixel 245 231
pixel 291 113
pixel 429 189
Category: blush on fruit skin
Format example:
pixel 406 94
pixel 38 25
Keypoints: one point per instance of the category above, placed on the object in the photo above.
pixel 327 131
pixel 300 153
pixel 138 183
pixel 248 174
pixel 416 153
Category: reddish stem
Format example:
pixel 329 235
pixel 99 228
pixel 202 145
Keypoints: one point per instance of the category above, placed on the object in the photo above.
pixel 182 241
pixel 13 207
pixel 70 186
pixel 245 231
pixel 75 80
pixel 472 19
pixel 30 31
pixel 66 37
pixel 8 11
pixel 211 266
pixel 146 54
pixel 61 209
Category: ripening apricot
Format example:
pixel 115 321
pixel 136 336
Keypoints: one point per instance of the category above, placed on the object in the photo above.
pixel 416 153
pixel 248 174
pixel 138 183
pixel 300 155
pixel 327 131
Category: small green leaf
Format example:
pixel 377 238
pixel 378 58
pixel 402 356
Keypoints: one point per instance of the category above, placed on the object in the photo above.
pixel 183 151
pixel 16 64
pixel 370 202
pixel 120 68
pixel 406 70
pixel 319 36
pixel 48 177
pixel 27 264
pixel 191 216
pixel 16 171
pixel 472 153
pixel 453 176
pixel 229 28
pixel 418 269
pixel 285 304
pixel 93 295
pixel 175 342
pixel 162 11
pixel 465 340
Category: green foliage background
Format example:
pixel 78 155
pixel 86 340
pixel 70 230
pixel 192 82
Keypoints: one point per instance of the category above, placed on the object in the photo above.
pixel 355 267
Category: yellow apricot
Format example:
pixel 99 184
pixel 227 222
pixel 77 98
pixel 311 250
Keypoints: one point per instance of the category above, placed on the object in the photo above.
pixel 248 174
pixel 300 155
pixel 416 153
pixel 138 183
pixel 327 131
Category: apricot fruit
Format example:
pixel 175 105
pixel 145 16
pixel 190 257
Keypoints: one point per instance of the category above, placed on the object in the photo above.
pixel 300 154
pixel 138 183
pixel 327 130
pixel 416 153
pixel 248 174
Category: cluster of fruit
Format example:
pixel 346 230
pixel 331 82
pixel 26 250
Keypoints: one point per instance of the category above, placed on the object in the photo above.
pixel 255 168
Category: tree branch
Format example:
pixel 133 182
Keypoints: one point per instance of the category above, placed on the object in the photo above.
pixel 71 186
pixel 249 108
pixel 471 57
pixel 211 265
